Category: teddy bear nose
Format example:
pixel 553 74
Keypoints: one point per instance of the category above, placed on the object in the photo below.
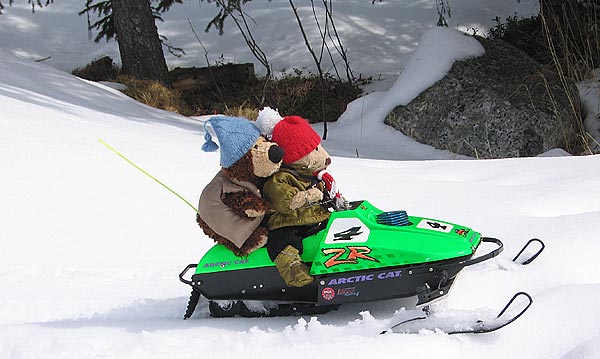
pixel 327 161
pixel 275 154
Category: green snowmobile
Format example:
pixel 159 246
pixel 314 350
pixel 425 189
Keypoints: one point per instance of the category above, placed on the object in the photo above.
pixel 364 254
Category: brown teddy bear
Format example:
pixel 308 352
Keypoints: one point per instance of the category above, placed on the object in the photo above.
pixel 231 209
pixel 295 193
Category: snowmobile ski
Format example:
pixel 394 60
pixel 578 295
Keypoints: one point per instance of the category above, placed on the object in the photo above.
pixel 532 257
pixel 427 322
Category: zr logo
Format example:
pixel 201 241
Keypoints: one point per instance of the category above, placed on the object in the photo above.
pixel 355 253
pixel 347 234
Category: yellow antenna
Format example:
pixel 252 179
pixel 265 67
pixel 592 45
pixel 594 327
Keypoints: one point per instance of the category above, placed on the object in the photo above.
pixel 147 174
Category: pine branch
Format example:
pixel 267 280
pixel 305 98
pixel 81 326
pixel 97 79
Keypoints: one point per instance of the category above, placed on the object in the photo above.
pixel 33 3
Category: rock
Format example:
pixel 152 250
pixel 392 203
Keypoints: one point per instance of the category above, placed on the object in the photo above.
pixel 502 104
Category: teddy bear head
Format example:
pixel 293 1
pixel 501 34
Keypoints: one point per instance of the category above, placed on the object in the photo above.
pixel 246 155
pixel 301 144
pixel 315 161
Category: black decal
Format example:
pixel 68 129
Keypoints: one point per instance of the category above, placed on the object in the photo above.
pixel 436 225
pixel 347 234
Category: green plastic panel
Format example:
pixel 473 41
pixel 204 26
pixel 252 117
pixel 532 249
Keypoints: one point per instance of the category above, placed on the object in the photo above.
pixel 353 241
pixel 371 245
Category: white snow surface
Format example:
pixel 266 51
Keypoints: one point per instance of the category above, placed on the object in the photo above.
pixel 90 248
pixel 378 37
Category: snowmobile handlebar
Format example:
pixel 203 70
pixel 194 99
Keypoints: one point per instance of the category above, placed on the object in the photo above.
pixel 183 280
pixel 487 256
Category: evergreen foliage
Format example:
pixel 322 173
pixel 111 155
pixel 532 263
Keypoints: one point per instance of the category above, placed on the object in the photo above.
pixel 100 69
pixel 33 3
pixel 105 25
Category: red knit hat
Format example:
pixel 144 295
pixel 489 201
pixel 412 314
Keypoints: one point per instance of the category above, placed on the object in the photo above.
pixel 296 137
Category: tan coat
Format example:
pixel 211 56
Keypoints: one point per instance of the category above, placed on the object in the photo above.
pixel 219 217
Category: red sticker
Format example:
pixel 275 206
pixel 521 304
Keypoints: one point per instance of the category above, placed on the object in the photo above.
pixel 328 293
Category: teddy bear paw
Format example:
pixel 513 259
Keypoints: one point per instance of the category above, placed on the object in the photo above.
pixel 253 213
pixel 303 198
pixel 262 240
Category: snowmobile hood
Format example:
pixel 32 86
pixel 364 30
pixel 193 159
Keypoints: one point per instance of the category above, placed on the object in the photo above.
pixel 359 239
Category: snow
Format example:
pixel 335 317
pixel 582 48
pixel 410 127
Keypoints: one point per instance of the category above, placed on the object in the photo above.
pixel 90 248
pixel 396 25
pixel 438 49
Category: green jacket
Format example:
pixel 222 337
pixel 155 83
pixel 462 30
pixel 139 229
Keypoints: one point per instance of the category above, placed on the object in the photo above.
pixel 279 190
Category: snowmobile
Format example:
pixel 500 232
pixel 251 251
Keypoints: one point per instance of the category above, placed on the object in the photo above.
pixel 363 254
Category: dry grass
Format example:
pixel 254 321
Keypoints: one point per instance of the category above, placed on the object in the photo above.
pixel 155 94
pixel 295 93
pixel 564 36
pixel 242 111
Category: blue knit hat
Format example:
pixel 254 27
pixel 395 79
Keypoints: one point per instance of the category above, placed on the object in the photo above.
pixel 236 136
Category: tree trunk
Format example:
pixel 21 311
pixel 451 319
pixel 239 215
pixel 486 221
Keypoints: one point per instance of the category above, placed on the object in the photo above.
pixel 139 45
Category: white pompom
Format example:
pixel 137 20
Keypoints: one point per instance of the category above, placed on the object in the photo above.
pixel 267 119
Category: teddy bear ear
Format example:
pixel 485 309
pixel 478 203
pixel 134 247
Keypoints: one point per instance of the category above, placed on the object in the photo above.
pixel 266 121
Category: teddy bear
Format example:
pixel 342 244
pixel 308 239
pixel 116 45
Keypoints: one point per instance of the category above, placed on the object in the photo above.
pixel 295 193
pixel 231 208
